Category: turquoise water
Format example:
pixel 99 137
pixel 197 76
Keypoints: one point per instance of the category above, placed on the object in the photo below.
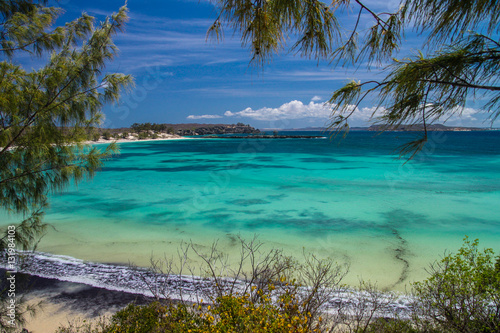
pixel 350 200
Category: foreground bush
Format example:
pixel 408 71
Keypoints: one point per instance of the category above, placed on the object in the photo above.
pixel 463 292
pixel 240 314
pixel 154 318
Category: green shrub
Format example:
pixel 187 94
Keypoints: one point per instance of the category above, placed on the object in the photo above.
pixel 463 292
pixel 95 136
pixel 154 318
pixel 106 135
pixel 242 314
pixel 143 135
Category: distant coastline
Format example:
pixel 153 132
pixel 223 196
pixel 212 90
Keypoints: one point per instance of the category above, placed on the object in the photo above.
pixel 265 136
pixel 400 128
pixel 149 131
pixel 152 131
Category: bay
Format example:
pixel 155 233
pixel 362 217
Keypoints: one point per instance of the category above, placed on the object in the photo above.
pixel 351 200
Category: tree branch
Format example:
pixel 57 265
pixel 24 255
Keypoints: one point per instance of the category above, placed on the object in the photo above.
pixel 23 47
pixel 375 16
pixel 464 85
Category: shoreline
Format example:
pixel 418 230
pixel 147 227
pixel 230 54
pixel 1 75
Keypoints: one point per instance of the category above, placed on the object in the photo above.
pixel 168 137
pixel 75 289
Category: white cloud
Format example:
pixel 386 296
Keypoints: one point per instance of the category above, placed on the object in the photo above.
pixel 467 117
pixel 321 112
pixel 316 99
pixel 340 75
pixel 291 110
pixel 205 116
pixel 463 114
pixel 367 114
pixel 298 110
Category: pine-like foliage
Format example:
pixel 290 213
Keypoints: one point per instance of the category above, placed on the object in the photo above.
pixel 45 114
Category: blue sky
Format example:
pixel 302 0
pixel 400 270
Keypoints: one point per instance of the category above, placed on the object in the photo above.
pixel 182 78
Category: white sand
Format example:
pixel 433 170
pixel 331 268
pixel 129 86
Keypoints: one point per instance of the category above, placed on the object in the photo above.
pixel 52 316
pixel 161 137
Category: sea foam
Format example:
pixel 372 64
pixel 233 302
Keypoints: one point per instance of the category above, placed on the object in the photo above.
pixel 189 288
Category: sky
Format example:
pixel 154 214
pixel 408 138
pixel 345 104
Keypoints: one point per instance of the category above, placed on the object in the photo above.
pixel 180 77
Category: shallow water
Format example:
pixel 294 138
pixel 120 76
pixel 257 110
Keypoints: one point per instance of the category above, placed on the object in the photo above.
pixel 351 200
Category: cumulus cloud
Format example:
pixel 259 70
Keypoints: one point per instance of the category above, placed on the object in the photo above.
pixel 291 110
pixel 458 115
pixel 467 116
pixel 316 99
pixel 298 110
pixel 367 114
pixel 205 116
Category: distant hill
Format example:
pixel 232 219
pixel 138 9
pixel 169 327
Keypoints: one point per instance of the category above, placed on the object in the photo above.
pixel 405 128
pixel 186 129
pixel 206 129
pixel 306 129
pixel 420 128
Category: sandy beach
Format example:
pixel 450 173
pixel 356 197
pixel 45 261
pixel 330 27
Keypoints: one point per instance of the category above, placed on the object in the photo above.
pixel 67 302
pixel 132 138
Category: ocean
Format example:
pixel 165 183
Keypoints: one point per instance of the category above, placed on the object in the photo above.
pixel 351 200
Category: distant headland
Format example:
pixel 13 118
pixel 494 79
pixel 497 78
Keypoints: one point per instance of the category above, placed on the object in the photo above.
pixel 152 131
